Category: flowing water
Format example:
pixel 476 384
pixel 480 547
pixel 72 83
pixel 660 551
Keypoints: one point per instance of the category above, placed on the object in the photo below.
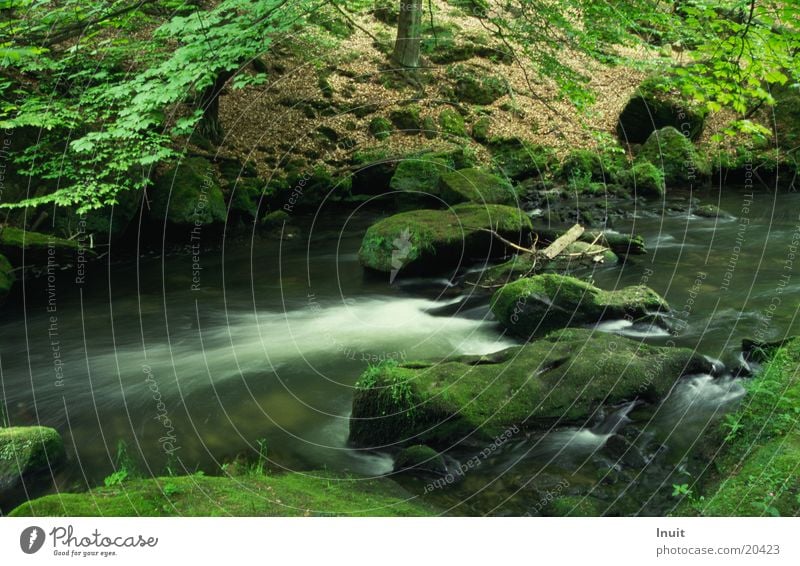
pixel 193 356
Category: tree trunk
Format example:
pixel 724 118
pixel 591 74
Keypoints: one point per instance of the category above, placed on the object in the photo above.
pixel 208 101
pixel 409 29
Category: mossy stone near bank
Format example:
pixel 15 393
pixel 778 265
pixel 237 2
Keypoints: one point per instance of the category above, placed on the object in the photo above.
pixel 25 451
pixel 673 153
pixel 564 378
pixel 36 248
pixel 643 179
pixel 435 240
pixel 7 278
pixel 279 495
pixel 536 305
pixel 188 194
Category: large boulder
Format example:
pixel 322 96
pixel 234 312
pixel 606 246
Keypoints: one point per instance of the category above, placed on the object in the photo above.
pixel 435 240
pixel 310 493
pixel 476 185
pixel 656 106
pixel 674 154
pixel 535 305
pixel 37 248
pixel 188 194
pixel 26 451
pixel 564 378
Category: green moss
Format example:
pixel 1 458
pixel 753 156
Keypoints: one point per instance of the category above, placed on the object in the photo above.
pixel 439 239
pixel 656 105
pixel 27 450
pixel 545 302
pixel 563 378
pixel 188 194
pixel 475 86
pixel 481 129
pixel 419 174
pixel 476 185
pixel 582 162
pixel 275 219
pixel 246 196
pixel 643 178
pixel 420 458
pixel 518 159
pixel 36 248
pixel 406 119
pixel 674 154
pixel 429 128
pixel 381 128
pixel 452 123
pixel 283 495
pixel 756 471
pixel 7 278
pixel 103 224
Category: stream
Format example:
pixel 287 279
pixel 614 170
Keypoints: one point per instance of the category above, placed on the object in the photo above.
pixel 193 356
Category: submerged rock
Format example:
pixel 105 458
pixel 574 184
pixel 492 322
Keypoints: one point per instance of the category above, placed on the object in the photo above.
pixel 535 305
pixel 26 451
pixel 435 240
pixel 564 378
pixel 7 278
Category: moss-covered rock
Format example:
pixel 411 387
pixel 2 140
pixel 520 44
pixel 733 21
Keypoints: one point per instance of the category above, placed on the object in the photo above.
pixel 674 154
pixel 420 174
pixel 420 459
pixel 518 159
pixel 436 240
pixel 574 506
pixel 754 469
pixel 275 219
pixel 407 119
pixel 380 127
pixel 36 248
pixel 7 278
pixel 585 164
pixel 245 198
pixel 656 106
pixel 475 85
pixel 104 224
pixel 188 194
pixel 251 495
pixel 25 451
pixel 476 185
pixel 452 123
pixel 481 129
pixel 563 378
pixel 536 305
pixel 576 256
pixel 643 178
